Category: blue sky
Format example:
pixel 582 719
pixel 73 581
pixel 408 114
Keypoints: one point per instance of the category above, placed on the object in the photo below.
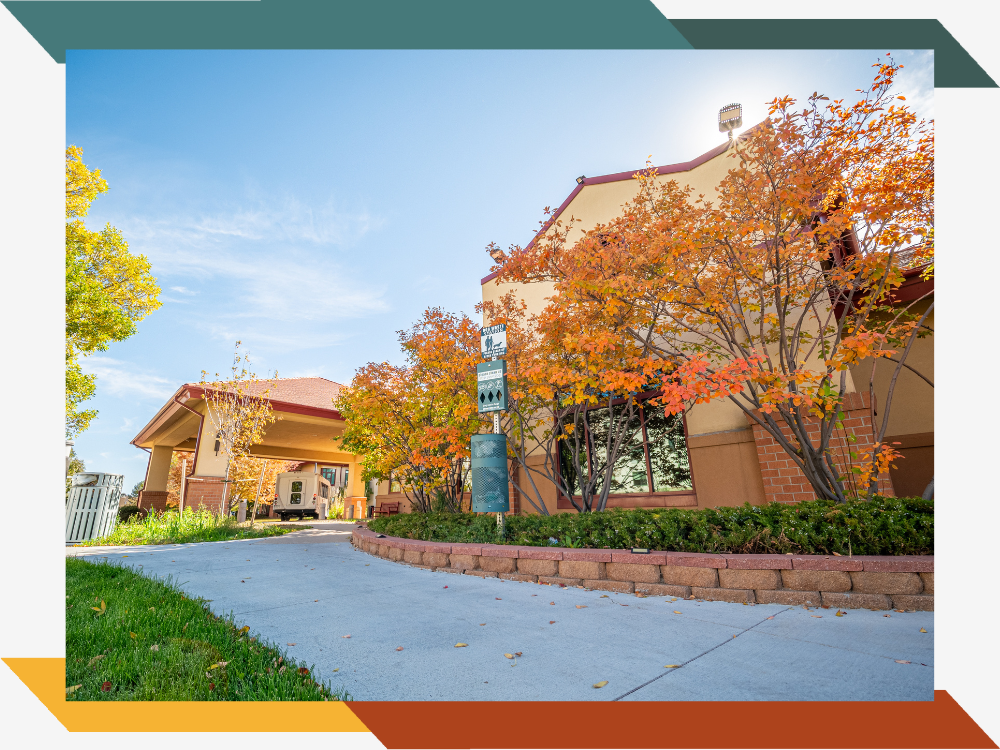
pixel 312 203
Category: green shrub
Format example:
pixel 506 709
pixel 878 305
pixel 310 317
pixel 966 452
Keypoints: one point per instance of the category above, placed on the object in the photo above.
pixel 129 511
pixel 881 526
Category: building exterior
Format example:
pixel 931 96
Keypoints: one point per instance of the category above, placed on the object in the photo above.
pixel 305 431
pixel 730 462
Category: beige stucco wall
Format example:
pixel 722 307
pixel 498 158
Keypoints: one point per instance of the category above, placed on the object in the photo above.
pixel 912 408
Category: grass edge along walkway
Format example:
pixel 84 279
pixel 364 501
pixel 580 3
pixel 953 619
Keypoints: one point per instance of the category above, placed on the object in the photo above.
pixel 194 526
pixel 134 638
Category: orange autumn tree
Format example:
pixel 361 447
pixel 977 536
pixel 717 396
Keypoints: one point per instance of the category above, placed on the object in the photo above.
pixel 415 422
pixel 573 402
pixel 768 293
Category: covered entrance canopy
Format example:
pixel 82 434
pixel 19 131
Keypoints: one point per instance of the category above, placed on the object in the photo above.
pixel 305 430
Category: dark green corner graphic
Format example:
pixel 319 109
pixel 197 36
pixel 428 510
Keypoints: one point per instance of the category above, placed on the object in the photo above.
pixel 953 66
pixel 347 24
pixel 464 24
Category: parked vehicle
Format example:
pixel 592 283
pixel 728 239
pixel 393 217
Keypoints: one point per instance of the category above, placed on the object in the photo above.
pixel 298 493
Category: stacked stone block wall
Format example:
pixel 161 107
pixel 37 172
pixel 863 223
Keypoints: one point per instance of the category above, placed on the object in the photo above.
pixel 859 582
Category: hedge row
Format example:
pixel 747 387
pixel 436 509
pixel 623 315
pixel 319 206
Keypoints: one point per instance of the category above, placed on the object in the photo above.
pixel 881 526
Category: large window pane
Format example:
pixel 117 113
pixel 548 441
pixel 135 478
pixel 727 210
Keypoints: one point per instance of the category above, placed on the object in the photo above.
pixel 629 473
pixel 573 467
pixel 668 456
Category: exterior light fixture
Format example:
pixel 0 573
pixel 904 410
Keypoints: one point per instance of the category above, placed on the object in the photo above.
pixel 730 118
pixel 580 179
pixel 218 443
pixel 496 254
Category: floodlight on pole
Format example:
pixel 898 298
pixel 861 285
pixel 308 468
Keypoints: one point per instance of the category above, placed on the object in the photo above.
pixel 730 118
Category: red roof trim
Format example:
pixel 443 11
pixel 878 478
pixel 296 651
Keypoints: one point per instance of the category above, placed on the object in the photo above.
pixel 284 406
pixel 620 176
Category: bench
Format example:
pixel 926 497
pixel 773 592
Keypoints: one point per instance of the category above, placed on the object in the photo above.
pixel 387 509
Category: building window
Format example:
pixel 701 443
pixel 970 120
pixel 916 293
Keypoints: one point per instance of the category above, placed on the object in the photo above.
pixel 394 485
pixel 653 458
pixel 330 475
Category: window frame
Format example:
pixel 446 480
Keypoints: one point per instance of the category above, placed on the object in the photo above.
pixel 563 503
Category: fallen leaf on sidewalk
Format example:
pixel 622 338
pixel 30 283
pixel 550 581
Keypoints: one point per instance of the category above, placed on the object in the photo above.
pixel 498 598
pixel 677 613
pixel 517 653
pixel 922 630
pixel 901 661
pixel 886 615
pixel 839 614
pixel 551 602
pixel 819 617
pixel 552 622
pixel 604 596
pixel 446 587
pixel 482 624
pixel 461 645
pixel 337 669
pixel 581 606
pixel 671 666
pixel 292 644
pixel 771 617
pixel 399 648
pixel 345 636
pixel 600 684
pixel 509 656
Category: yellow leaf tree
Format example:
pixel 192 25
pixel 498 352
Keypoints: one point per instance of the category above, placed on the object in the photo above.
pixel 240 412
pixel 108 289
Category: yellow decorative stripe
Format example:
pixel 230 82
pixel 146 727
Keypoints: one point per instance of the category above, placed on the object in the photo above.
pixel 45 678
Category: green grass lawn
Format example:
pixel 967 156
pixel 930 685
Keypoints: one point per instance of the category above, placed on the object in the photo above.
pixel 194 526
pixel 132 638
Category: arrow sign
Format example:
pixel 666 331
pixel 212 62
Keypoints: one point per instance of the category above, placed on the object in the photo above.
pixel 493 341
pixel 492 391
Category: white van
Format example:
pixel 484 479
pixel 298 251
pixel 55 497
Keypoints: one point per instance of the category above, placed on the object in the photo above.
pixel 299 492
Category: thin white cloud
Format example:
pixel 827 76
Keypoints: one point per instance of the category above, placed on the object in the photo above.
pixel 916 82
pixel 273 219
pixel 120 378
pixel 182 290
pixel 126 424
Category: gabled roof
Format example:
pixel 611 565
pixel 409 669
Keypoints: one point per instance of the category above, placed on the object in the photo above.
pixel 308 396
pixel 686 166
pixel 315 392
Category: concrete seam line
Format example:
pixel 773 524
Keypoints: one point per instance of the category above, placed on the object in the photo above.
pixel 693 658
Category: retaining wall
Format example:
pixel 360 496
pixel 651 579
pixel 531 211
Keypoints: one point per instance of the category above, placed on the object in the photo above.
pixel 860 582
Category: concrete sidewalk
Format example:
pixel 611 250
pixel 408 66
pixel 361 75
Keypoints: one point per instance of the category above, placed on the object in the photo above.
pixel 309 589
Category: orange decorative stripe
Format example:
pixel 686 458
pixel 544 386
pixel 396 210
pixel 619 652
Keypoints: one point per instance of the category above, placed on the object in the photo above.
pixel 46 677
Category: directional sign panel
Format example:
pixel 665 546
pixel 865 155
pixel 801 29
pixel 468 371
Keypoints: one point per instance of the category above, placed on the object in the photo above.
pixel 492 378
pixel 493 341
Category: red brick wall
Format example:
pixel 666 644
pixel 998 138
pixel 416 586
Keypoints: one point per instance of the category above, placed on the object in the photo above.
pixel 152 500
pixel 204 492
pixel 784 482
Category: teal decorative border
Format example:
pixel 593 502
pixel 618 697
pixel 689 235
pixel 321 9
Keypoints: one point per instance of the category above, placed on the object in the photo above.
pixel 464 24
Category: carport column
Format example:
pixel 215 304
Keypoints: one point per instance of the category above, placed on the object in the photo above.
pixel 154 491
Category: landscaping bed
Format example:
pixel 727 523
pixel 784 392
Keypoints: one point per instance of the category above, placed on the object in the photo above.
pixel 129 637
pixel 194 526
pixel 881 526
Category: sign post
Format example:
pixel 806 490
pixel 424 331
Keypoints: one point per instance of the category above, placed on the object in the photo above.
pixel 490 492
